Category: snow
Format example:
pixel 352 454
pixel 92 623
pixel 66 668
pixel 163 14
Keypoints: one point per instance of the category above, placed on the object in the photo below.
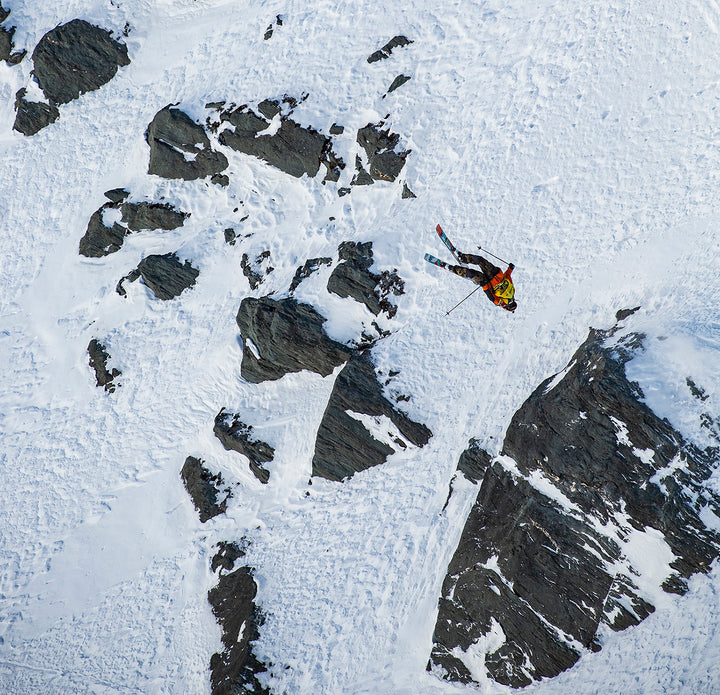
pixel 577 139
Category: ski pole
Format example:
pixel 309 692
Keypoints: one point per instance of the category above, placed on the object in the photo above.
pixel 462 300
pixel 493 255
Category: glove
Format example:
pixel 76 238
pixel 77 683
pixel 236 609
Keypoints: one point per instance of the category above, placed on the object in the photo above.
pixel 511 266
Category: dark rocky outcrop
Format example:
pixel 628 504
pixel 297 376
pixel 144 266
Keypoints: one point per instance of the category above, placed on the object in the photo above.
pixel 205 489
pixel 541 574
pixel 352 278
pixel 385 162
pixel 164 274
pixel 100 240
pixel 32 116
pixel 344 446
pixel 7 52
pixel 387 49
pixel 235 670
pixel 75 58
pixel 98 362
pixel 255 272
pixel 294 149
pixel 235 435
pixel 306 270
pixel 398 82
pixel 180 148
pixel 474 461
pixel 283 336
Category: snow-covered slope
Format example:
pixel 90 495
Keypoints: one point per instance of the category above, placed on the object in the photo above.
pixel 575 139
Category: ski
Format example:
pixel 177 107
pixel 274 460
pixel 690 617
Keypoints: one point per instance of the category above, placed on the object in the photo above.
pixel 447 242
pixel 435 261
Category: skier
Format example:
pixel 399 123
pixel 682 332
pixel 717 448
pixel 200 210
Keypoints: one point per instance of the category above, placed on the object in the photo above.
pixel 498 285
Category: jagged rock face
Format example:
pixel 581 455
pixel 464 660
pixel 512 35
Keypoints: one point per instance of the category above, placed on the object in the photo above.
pixel 98 361
pixel 100 240
pixel 204 488
pixel 384 162
pixel 75 58
pixel 164 274
pixel 235 435
pixel 306 270
pixel 384 52
pixel 235 669
pixel 180 148
pixel 533 577
pixel 352 278
pixel 344 446
pixel 283 336
pixel 294 149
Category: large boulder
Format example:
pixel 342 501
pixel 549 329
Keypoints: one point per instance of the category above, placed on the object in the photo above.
pixel 545 560
pixel 101 239
pixel 283 336
pixel 180 148
pixel 352 277
pixel 344 445
pixel 164 274
pixel 292 148
pixel 75 58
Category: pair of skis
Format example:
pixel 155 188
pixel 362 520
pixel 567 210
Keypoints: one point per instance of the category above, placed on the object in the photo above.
pixel 443 237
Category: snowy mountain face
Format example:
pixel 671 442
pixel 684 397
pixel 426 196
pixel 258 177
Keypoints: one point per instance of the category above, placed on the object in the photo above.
pixel 245 448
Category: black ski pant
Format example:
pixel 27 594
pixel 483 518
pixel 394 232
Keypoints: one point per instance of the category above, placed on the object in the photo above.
pixel 486 273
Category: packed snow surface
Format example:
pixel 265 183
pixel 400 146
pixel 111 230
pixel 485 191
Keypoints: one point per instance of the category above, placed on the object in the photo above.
pixel 578 140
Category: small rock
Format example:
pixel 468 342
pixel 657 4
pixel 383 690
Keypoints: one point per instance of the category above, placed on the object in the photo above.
pixel 235 435
pixel 387 49
pixel 399 81
pixel 305 271
pixel 204 489
pixel 33 116
pixel 98 362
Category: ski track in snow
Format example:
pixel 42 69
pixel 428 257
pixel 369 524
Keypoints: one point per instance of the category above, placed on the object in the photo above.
pixel 576 139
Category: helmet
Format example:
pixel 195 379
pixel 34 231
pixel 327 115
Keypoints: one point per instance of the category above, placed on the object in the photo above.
pixel 511 306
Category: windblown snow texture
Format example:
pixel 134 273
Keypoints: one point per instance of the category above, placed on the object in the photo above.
pixel 224 355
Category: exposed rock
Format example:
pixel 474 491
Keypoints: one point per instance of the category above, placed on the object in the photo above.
pixel 535 579
pixel 100 240
pixel 165 275
pixel 352 278
pixel 230 236
pixel 271 27
pixel 139 216
pixel 344 446
pixel 474 461
pixel 387 49
pixel 294 149
pixel 407 193
pixel 6 41
pixel 361 178
pixel 98 361
pixel 75 58
pixel 33 116
pixel 306 270
pixel 282 336
pixel 228 553
pixel 235 435
pixel 235 669
pixel 180 148
pixel 254 272
pixel 384 162
pixel 336 129
pixel 204 489
pixel 399 81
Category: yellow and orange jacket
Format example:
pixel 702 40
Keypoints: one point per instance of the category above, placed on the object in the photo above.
pixel 500 290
